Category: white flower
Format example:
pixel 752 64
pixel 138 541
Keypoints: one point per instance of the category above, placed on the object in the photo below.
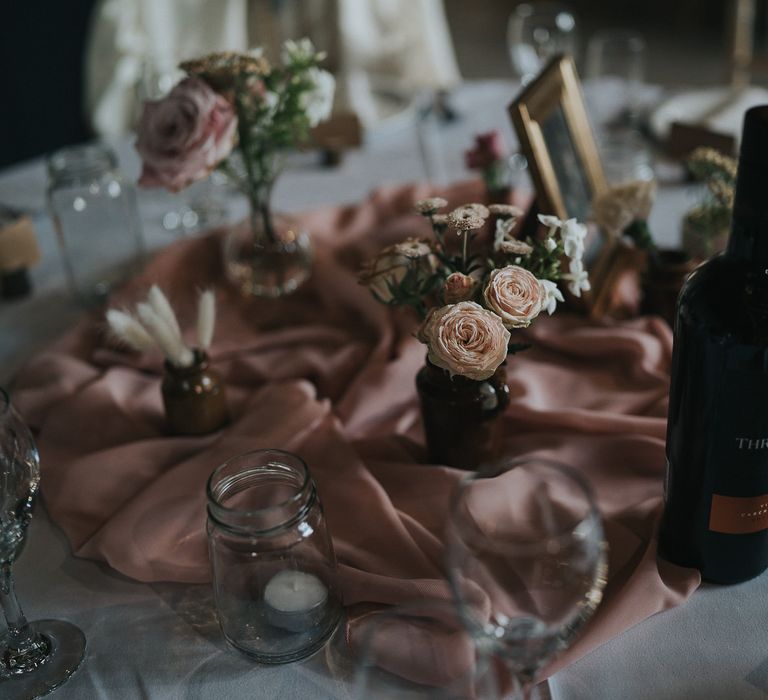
pixel 578 278
pixel 550 244
pixel 271 101
pixel 318 101
pixel 551 296
pixel 301 51
pixel 504 229
pixel 550 221
pixel 573 234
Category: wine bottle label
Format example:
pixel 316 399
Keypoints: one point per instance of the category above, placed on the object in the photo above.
pixel 737 515
pixel 740 451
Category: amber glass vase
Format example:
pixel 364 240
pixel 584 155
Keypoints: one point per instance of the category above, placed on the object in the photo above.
pixel 194 398
pixel 460 415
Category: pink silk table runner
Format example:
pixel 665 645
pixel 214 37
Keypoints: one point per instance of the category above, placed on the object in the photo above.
pixel 328 373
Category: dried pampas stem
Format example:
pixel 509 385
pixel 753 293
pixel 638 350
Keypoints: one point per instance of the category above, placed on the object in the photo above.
pixel 169 341
pixel 128 330
pixel 206 318
pixel 163 309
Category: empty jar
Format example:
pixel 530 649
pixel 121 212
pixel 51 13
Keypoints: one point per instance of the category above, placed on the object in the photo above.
pixel 274 568
pixel 96 220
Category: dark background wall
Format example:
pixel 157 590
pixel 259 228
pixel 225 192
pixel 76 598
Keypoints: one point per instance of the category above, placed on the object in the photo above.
pixel 41 52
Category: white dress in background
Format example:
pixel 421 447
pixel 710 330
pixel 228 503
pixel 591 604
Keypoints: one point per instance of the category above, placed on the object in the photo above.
pixel 135 45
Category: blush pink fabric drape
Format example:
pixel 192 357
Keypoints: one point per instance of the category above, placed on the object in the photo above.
pixel 328 373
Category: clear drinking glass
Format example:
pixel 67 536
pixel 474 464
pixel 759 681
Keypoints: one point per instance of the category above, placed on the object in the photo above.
pixel 526 559
pixel 274 568
pixel 94 213
pixel 537 31
pixel 35 657
pixel 423 651
pixel 619 54
pixel 625 156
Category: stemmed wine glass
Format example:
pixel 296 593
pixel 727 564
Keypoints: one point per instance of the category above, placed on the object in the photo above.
pixel 35 657
pixel 526 560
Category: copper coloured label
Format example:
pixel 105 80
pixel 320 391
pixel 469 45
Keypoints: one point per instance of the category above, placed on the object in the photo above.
pixel 736 515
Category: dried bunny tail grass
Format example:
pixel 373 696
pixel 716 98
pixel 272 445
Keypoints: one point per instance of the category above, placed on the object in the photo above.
pixel 206 318
pixel 162 308
pixel 173 348
pixel 128 330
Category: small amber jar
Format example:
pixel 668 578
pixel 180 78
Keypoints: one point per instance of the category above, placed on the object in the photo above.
pixel 194 398
pixel 460 415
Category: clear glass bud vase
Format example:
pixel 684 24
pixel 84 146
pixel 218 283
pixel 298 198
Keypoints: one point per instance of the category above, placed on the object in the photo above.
pixel 268 254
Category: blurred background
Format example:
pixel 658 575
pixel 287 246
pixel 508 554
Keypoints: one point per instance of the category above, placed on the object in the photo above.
pixel 79 68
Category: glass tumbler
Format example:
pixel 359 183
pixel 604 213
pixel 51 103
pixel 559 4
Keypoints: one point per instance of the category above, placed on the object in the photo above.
pixel 274 568
pixel 96 220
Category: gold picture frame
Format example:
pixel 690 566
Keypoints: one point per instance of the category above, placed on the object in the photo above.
pixel 551 123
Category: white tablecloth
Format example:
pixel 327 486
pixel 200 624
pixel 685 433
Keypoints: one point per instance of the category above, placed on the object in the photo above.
pixel 162 641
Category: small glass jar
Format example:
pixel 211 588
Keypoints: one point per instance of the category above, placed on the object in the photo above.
pixel 96 220
pixel 274 568
pixel 194 398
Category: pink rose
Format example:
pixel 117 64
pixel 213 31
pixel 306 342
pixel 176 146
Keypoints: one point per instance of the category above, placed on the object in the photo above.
pixel 515 295
pixel 184 136
pixel 489 148
pixel 465 339
pixel 458 287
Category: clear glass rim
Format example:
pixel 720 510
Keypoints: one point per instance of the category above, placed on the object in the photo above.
pixel 538 9
pixel 78 160
pixel 295 499
pixel 632 40
pixel 591 515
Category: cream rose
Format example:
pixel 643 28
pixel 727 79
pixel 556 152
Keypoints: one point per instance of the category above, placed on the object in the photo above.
pixel 515 295
pixel 465 339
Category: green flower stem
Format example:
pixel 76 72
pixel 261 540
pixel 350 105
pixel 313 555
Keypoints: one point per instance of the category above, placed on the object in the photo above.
pixel 464 250
pixel 256 168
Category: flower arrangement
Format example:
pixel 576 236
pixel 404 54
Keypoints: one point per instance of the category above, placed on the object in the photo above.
pixel 194 395
pixel 706 226
pixel 234 102
pixel 158 327
pixel 489 156
pixel 469 296
pixel 238 112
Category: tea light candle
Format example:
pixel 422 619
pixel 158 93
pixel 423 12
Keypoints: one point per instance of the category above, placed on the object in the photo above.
pixel 295 600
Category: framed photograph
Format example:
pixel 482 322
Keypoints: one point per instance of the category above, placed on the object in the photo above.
pixel 551 123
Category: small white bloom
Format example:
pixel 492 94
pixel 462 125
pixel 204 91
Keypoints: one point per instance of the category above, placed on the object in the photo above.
pixel 550 244
pixel 551 296
pixel 299 51
pixel 271 101
pixel 574 234
pixel 578 278
pixel 317 102
pixel 550 221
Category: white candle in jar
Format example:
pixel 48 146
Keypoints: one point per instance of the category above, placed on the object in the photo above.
pixel 295 599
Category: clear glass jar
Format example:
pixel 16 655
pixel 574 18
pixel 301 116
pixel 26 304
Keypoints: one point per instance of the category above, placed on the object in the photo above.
pixel 274 568
pixel 96 220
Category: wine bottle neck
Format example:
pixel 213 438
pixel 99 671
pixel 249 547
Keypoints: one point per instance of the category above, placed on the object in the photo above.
pixel 748 242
